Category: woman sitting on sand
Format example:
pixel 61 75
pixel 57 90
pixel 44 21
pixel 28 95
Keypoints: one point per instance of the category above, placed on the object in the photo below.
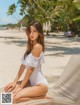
pixel 32 61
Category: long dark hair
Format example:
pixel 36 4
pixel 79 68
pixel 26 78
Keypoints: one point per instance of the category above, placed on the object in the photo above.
pixel 40 39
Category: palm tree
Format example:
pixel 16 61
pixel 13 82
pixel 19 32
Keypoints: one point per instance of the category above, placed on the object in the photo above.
pixel 11 10
pixel 60 11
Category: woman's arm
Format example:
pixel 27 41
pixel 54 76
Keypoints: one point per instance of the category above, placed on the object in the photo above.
pixel 27 76
pixel 35 52
pixel 20 72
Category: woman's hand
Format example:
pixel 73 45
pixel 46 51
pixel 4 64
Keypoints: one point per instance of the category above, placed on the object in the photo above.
pixel 17 90
pixel 10 87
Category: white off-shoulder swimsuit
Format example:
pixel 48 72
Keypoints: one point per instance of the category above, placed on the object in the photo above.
pixel 37 75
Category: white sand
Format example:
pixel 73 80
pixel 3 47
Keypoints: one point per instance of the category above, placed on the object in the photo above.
pixel 12 47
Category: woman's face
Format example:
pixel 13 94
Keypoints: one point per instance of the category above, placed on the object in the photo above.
pixel 33 33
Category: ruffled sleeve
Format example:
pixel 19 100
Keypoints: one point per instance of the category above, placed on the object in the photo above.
pixel 23 61
pixel 32 61
pixel 42 59
pixel 35 61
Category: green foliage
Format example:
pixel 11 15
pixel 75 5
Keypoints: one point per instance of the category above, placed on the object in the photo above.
pixel 76 22
pixel 59 12
pixel 12 9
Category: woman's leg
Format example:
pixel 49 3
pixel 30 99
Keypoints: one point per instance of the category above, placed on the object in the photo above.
pixel 19 82
pixel 30 93
pixel 33 98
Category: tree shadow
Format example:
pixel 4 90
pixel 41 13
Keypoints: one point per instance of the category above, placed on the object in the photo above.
pixel 61 50
pixel 54 48
pixel 13 40
pixel 20 43
pixel 61 37
pixel 6 37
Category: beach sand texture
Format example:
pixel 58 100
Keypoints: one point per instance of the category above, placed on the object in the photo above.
pixel 57 53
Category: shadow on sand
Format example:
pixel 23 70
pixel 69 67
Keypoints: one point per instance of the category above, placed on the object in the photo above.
pixel 55 48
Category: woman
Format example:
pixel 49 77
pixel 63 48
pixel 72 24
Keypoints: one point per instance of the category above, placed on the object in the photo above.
pixel 32 61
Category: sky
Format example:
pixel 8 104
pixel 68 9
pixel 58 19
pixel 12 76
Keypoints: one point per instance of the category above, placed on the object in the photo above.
pixel 4 18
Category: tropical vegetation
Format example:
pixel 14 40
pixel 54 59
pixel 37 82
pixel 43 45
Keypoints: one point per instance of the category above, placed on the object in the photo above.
pixel 60 13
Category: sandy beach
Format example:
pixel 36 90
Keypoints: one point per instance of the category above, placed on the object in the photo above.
pixel 57 54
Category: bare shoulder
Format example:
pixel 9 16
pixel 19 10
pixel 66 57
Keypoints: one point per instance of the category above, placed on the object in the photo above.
pixel 37 50
pixel 38 47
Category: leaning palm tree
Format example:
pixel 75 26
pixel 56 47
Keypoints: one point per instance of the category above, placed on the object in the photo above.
pixel 12 11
